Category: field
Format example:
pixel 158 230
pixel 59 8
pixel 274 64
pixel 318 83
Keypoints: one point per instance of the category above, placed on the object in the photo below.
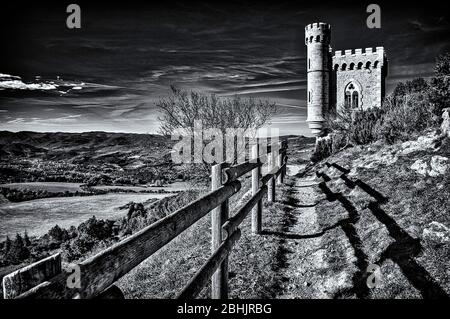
pixel 38 216
pixel 46 186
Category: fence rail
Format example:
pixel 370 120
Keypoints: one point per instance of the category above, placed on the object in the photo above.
pixel 44 279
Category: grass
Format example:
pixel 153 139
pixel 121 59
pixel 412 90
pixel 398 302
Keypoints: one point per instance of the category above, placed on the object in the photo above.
pixel 390 233
pixel 250 264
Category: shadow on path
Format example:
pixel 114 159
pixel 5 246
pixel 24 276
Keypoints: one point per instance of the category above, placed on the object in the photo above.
pixel 401 252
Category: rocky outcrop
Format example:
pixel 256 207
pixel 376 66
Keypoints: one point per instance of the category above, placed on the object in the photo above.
pixel 435 166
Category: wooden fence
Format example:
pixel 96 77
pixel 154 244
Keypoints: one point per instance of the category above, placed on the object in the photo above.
pixel 45 278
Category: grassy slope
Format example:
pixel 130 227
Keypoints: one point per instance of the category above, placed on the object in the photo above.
pixel 165 273
pixel 389 233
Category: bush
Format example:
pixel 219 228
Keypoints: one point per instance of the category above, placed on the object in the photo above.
pixel 405 116
pixel 440 84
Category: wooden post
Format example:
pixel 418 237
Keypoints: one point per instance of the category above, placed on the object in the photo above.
pixel 30 276
pixel 257 209
pixel 271 182
pixel 219 281
pixel 279 164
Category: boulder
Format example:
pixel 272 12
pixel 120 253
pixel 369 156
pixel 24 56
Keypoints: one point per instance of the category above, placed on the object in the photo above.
pixel 437 233
pixel 420 166
pixel 439 165
pixel 433 167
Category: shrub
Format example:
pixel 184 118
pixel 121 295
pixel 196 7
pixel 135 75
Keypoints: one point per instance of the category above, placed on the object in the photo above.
pixel 440 84
pixel 58 234
pixel 404 116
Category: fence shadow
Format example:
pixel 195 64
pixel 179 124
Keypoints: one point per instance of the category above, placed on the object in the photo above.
pixel 402 251
pixel 359 278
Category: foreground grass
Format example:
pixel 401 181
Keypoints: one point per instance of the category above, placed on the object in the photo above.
pixel 165 273
pixel 389 223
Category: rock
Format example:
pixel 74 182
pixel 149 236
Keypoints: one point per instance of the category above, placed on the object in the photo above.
pixel 420 166
pixel 437 232
pixel 422 143
pixel 439 165
pixel 445 126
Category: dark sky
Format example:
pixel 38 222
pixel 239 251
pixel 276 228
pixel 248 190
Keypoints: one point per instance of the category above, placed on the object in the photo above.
pixel 112 71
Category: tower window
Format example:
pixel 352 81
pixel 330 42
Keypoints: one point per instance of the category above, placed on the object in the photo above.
pixel 351 96
pixel 352 66
pixel 375 65
pixel 309 63
pixel 368 65
pixel 360 65
pixel 344 67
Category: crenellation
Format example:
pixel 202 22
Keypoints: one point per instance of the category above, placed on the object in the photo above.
pixel 355 76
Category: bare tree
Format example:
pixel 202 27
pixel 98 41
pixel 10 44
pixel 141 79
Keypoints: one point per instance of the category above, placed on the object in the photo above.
pixel 182 108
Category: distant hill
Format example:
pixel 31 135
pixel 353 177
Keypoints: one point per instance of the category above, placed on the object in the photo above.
pixel 90 147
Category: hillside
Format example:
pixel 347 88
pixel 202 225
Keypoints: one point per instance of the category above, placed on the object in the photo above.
pixel 91 157
pixel 82 148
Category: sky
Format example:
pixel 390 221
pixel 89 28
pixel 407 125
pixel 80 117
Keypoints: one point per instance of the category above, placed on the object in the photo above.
pixel 109 75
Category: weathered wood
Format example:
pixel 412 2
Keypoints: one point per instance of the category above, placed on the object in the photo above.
pixel 257 209
pixel 219 280
pixel 266 178
pixel 103 269
pixel 271 182
pixel 30 276
pixel 279 164
pixel 234 172
pixel 201 278
pixel 233 223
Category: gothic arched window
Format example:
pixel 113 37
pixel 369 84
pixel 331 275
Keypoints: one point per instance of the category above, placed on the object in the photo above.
pixel 368 65
pixel 352 95
pixel 352 66
pixel 360 64
pixel 355 99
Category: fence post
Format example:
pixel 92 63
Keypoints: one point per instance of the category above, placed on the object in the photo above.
pixel 271 182
pixel 257 209
pixel 219 281
pixel 279 164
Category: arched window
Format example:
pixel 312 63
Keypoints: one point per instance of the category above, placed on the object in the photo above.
pixel 344 67
pixel 318 38
pixel 355 99
pixel 352 95
pixel 375 65
pixel 352 66
pixel 336 67
pixel 348 99
pixel 368 65
pixel 360 65
pixel 311 39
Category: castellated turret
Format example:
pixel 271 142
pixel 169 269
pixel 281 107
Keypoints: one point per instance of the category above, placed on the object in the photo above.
pixel 317 39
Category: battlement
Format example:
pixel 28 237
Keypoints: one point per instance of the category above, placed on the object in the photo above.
pixel 318 26
pixel 379 51
pixel 318 32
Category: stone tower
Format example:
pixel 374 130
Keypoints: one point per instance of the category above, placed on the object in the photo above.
pixel 317 39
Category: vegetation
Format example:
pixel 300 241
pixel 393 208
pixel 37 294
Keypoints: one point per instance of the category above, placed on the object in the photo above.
pixel 413 107
pixel 90 236
pixel 183 111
